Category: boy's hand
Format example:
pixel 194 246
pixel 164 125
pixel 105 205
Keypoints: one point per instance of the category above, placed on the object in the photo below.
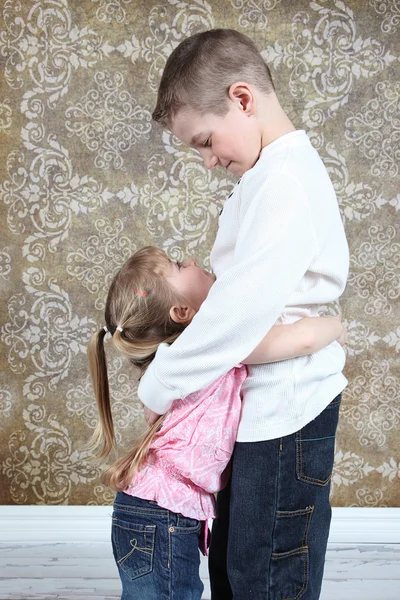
pixel 342 339
pixel 150 416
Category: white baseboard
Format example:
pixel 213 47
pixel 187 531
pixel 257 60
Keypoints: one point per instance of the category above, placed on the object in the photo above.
pixel 30 524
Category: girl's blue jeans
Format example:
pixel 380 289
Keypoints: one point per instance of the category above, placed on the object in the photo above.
pixel 269 540
pixel 156 551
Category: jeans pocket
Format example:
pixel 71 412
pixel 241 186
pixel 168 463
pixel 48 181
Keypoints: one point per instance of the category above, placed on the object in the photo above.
pixel 315 446
pixel 289 559
pixel 133 547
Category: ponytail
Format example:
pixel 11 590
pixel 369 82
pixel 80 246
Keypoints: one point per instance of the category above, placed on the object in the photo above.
pixel 103 437
pixel 119 476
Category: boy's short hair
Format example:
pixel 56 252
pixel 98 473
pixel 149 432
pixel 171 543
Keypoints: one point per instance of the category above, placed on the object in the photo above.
pixel 200 71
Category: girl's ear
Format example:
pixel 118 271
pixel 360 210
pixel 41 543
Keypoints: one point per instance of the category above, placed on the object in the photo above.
pixel 182 314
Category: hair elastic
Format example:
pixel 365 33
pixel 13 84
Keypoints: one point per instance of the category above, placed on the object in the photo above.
pixel 105 328
pixel 140 292
pixel 119 329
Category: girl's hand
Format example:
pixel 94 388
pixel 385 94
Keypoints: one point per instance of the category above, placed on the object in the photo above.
pixel 150 416
pixel 342 339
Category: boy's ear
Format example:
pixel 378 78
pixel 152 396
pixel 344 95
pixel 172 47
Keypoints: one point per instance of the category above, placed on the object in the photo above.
pixel 242 95
pixel 182 314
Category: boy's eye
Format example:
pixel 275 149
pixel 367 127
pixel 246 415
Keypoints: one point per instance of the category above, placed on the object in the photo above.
pixel 178 264
pixel 207 143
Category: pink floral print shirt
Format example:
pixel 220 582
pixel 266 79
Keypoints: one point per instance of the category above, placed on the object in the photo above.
pixel 190 453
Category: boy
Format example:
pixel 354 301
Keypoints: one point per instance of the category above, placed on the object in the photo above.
pixel 279 253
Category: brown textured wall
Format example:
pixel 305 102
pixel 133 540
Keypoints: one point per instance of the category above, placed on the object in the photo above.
pixel 86 179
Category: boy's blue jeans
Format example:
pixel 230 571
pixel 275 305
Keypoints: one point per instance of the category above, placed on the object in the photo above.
pixel 269 540
pixel 156 551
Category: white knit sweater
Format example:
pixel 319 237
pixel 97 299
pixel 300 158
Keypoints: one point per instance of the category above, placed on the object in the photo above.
pixel 280 252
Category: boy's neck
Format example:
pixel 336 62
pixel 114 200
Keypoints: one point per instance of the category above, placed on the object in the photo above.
pixel 274 121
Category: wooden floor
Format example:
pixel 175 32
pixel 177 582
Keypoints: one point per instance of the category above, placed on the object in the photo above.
pixel 78 571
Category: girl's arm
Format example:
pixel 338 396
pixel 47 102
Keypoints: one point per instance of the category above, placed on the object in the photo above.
pixel 306 336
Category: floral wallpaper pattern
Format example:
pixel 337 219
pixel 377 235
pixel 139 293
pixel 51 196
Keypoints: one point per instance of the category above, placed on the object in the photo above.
pixel 86 179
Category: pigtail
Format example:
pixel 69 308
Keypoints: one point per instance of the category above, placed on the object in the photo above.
pixel 103 436
pixel 119 476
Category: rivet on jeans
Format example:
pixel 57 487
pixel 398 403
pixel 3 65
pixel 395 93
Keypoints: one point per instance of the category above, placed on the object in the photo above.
pixel 171 529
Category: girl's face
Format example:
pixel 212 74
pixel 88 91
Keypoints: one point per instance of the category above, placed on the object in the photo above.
pixel 190 281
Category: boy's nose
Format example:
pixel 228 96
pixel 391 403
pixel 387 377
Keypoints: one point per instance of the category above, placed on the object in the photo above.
pixel 210 160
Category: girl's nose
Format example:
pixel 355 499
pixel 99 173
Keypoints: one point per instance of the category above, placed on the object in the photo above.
pixel 189 262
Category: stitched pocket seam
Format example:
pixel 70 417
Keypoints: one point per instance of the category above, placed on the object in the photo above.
pixel 123 552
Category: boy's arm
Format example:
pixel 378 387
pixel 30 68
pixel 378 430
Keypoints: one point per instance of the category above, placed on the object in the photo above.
pixel 275 247
pixel 305 336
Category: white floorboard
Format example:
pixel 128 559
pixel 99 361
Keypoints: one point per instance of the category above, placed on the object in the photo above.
pixel 79 571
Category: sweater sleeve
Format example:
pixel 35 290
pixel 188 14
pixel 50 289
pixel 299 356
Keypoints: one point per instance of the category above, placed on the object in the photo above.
pixel 275 247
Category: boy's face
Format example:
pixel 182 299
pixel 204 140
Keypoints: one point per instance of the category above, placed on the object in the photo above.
pixel 233 141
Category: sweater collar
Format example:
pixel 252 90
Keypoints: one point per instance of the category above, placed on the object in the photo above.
pixel 293 138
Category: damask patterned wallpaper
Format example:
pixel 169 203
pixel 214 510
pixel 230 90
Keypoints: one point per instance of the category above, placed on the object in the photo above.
pixel 86 179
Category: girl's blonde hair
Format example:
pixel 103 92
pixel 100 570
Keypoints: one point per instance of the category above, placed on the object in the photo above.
pixel 138 302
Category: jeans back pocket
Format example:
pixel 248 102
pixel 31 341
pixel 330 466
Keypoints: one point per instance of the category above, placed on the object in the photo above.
pixel 315 446
pixel 133 546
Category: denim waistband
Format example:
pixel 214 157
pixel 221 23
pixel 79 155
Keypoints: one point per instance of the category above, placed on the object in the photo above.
pixel 130 503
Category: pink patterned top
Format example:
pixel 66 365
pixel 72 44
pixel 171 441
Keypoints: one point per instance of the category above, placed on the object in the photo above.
pixel 189 454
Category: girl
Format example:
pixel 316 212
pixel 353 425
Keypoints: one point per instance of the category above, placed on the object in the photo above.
pixel 165 485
